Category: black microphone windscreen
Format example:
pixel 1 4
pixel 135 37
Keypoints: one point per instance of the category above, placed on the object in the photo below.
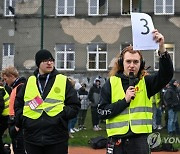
pixel 131 79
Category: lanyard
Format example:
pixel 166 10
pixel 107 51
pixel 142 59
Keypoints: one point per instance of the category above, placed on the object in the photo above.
pixel 14 83
pixel 39 84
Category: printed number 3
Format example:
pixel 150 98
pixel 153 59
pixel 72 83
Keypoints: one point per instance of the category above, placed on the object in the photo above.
pixel 146 26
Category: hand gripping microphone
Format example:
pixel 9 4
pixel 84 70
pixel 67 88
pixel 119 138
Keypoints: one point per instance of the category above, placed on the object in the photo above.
pixel 131 80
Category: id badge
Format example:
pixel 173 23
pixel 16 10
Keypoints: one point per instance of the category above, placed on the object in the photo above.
pixel 33 104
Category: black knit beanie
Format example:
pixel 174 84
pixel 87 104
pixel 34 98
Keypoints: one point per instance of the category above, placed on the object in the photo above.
pixel 41 55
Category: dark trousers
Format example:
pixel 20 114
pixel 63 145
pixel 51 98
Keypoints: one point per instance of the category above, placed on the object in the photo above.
pixel 3 127
pixel 81 117
pixel 132 145
pixel 94 114
pixel 60 148
pixel 18 142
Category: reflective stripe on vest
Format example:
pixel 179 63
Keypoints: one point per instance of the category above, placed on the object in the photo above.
pixel 53 103
pixel 12 100
pixel 6 103
pixel 138 116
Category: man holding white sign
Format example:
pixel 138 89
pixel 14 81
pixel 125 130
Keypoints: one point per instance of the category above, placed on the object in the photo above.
pixel 125 98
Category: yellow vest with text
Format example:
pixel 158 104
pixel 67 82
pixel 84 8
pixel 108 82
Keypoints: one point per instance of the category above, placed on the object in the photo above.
pixel 6 102
pixel 137 117
pixel 54 102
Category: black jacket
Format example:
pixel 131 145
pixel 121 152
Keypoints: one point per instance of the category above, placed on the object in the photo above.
pixel 154 83
pixel 172 97
pixel 47 130
pixel 11 122
pixel 93 95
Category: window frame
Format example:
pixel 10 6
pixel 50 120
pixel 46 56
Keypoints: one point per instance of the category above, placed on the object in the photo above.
pixel 171 52
pixel 10 48
pixel 65 54
pixel 7 12
pixel 97 8
pixel 65 8
pixel 131 7
pixel 97 60
pixel 163 8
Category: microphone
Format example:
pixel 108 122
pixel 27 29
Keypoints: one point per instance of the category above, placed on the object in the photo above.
pixel 131 80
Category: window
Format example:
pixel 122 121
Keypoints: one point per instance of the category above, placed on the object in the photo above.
pixel 98 7
pixel 164 7
pixel 97 56
pixel 171 49
pixel 65 7
pixel 65 57
pixel 128 6
pixel 8 55
pixel 8 49
pixel 9 7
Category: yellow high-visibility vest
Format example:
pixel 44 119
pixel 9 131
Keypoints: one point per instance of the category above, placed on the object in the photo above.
pixel 54 102
pixel 156 99
pixel 137 117
pixel 6 102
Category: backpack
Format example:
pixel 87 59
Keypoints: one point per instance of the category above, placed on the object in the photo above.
pixel 7 149
pixel 98 142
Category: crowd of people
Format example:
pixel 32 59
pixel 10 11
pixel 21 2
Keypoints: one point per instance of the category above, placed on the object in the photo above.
pixel 43 111
pixel 167 102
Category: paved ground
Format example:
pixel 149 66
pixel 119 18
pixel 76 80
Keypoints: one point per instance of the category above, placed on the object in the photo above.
pixel 85 150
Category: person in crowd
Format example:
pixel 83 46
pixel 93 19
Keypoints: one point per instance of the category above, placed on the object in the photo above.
pixel 164 106
pixel 172 99
pixel 43 107
pixel 11 77
pixel 178 109
pixel 72 122
pixel 4 113
pixel 83 97
pixel 125 99
pixel 156 102
pixel 94 95
pixel 159 111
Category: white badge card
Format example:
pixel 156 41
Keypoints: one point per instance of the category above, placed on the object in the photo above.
pixel 142 27
pixel 33 104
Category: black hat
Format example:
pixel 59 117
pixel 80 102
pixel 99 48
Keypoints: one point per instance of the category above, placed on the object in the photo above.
pixel 41 55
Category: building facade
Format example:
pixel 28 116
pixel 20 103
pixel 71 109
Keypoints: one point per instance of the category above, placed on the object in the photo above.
pixel 83 35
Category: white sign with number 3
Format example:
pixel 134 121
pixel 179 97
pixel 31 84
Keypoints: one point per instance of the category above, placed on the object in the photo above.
pixel 142 27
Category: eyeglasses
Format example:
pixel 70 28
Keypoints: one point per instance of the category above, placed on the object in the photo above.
pixel 48 60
